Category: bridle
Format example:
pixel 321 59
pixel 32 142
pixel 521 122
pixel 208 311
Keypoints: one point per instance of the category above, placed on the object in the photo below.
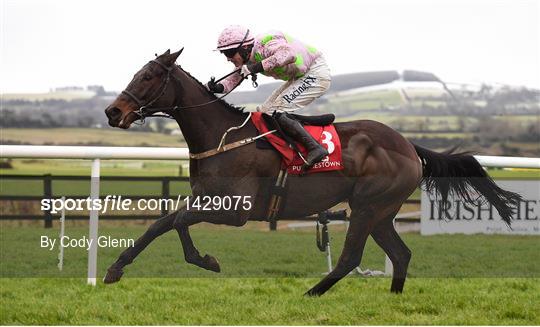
pixel 145 110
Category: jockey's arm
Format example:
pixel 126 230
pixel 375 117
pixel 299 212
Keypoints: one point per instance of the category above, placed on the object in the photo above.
pixel 230 82
pixel 279 54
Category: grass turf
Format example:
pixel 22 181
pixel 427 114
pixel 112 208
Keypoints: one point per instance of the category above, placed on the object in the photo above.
pixel 269 301
pixel 454 279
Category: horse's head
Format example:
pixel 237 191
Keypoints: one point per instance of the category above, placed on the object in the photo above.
pixel 150 87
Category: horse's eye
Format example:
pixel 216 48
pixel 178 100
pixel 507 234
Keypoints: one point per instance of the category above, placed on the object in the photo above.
pixel 147 77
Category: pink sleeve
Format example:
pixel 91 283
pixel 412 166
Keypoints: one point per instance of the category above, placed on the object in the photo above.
pixel 278 54
pixel 231 82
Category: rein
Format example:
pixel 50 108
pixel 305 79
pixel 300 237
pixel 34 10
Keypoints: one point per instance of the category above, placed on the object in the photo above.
pixel 145 110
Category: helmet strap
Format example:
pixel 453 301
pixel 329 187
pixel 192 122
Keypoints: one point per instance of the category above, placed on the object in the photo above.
pixel 243 40
pixel 241 51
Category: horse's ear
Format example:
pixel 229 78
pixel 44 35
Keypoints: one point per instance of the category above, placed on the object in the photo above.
pixel 172 57
pixel 177 54
pixel 166 53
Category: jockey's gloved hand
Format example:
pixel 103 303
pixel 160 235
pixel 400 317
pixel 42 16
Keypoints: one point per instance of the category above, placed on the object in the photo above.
pixel 251 69
pixel 215 87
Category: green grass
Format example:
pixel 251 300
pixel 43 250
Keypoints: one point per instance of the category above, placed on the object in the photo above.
pixel 254 253
pixel 431 124
pixel 450 135
pixel 267 273
pixel 76 188
pixel 107 167
pixel 269 301
pixel 108 136
pixel 517 173
pixel 388 97
pixel 523 119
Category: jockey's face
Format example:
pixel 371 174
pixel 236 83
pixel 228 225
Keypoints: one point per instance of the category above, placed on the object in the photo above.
pixel 236 60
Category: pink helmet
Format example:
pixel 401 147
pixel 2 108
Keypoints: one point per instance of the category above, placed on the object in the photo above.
pixel 234 36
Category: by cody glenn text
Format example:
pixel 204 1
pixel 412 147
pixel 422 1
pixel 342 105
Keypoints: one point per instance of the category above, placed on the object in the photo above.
pixel 84 242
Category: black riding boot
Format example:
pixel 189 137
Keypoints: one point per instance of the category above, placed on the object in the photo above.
pixel 295 130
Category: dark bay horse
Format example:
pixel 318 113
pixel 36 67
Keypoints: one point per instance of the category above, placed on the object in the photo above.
pixel 382 169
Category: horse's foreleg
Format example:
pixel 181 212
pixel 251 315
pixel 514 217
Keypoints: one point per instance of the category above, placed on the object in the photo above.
pixel 188 218
pixel 388 239
pixel 160 226
pixel 359 229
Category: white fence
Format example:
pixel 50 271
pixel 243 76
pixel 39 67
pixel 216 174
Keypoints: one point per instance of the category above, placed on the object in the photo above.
pixel 148 153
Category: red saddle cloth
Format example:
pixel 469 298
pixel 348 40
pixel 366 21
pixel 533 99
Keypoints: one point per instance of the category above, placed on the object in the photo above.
pixel 325 135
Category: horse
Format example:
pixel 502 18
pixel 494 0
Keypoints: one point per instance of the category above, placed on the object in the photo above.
pixel 381 170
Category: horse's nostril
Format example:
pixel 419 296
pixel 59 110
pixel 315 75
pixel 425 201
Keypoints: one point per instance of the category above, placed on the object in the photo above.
pixel 113 113
pixel 116 112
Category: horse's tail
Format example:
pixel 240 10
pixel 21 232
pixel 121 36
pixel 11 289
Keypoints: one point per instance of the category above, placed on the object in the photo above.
pixel 460 173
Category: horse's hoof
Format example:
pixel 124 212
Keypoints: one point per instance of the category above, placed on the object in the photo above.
pixel 211 263
pixel 113 276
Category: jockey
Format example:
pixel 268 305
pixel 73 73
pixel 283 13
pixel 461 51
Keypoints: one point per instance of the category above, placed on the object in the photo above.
pixel 276 54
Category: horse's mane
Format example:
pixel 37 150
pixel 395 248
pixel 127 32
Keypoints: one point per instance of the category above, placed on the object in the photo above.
pixel 227 105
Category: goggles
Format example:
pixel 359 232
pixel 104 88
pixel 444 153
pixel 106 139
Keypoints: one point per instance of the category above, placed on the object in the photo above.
pixel 229 53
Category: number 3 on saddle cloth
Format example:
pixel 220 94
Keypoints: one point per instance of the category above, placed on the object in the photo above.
pixel 325 135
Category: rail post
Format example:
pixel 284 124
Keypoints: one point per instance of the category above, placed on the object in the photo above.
pixel 47 194
pixel 93 228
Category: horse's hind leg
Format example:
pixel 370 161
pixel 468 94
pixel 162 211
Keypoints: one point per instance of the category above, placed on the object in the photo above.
pixel 388 239
pixel 160 226
pixel 359 229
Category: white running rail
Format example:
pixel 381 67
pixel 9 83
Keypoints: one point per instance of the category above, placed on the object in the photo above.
pixel 149 153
